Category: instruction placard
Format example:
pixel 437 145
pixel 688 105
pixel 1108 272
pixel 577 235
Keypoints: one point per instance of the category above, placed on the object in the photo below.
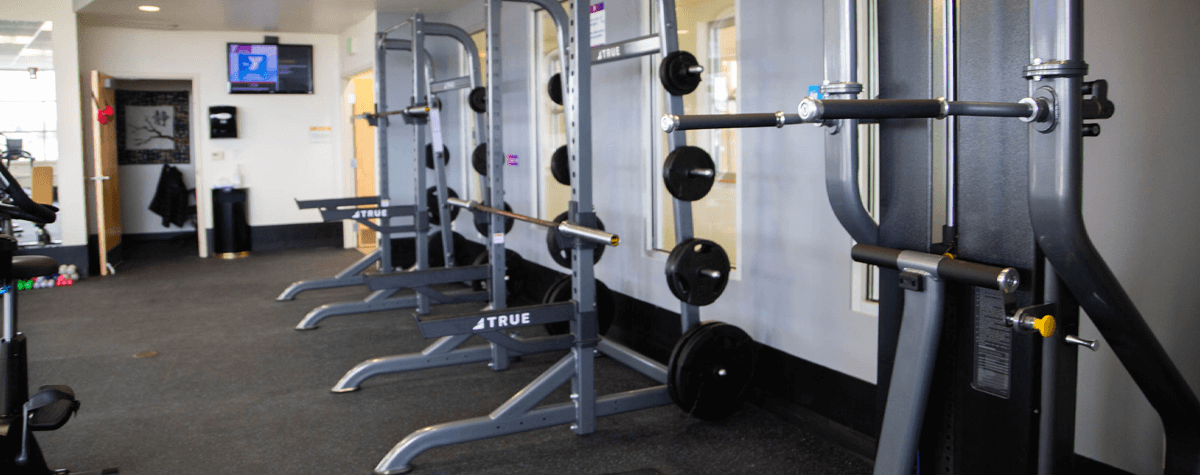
pixel 597 24
pixel 320 134
pixel 435 128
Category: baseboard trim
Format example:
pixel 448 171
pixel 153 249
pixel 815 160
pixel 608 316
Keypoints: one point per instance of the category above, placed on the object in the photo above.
pixel 291 236
pixel 164 236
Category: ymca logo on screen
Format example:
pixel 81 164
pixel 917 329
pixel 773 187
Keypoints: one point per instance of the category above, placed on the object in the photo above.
pixel 501 321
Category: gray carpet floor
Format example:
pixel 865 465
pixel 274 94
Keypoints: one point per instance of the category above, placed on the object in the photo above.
pixel 235 389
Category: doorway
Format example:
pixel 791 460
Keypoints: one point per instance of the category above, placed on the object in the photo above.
pixel 363 87
pixel 154 194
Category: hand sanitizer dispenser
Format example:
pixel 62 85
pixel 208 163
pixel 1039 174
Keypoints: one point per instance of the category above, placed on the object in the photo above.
pixel 222 122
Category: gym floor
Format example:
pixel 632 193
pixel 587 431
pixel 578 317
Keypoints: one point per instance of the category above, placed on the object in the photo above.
pixel 235 389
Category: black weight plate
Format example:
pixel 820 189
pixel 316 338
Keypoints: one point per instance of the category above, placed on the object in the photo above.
pixel 674 75
pixel 514 267
pixel 437 259
pixel 678 349
pixel 552 292
pixel 479 159
pixel 677 176
pixel 431 200
pixel 478 99
pixel 560 167
pixel 429 155
pixel 606 310
pixel 481 221
pixel 712 373
pixel 563 255
pixel 554 88
pixel 684 276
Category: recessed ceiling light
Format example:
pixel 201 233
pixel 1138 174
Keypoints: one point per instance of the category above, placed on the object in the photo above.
pixel 149 8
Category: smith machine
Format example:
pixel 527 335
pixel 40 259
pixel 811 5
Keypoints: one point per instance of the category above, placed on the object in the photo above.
pixel 974 376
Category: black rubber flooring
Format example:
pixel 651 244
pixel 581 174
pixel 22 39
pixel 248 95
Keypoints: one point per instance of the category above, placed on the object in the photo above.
pixel 235 389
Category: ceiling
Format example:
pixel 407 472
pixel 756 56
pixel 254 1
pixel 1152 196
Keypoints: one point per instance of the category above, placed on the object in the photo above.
pixel 26 44
pixel 293 16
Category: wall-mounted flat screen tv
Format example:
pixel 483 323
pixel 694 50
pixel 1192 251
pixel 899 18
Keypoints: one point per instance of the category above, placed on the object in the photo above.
pixel 270 69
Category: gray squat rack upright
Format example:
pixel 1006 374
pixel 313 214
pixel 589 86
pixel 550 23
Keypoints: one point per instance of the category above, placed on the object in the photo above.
pixel 420 277
pixel 362 210
pixel 522 413
pixel 446 350
pixel 1073 268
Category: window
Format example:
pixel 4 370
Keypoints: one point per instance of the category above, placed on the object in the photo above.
pixel 551 118
pixel 469 174
pixel 708 30
pixel 865 278
pixel 28 112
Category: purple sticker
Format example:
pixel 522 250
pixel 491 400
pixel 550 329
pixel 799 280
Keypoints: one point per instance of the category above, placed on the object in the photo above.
pixel 597 7
pixel 512 159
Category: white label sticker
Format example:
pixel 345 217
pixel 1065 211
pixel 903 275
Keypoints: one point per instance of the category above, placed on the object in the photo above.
pixel 498 238
pixel 597 24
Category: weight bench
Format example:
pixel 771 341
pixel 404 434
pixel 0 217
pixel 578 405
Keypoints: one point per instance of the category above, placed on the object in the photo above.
pixel 339 209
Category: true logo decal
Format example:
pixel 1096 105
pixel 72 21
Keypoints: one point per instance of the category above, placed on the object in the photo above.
pixel 500 321
pixel 370 213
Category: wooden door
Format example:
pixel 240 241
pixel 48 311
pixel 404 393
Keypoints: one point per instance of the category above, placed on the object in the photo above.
pixel 107 214
pixel 364 151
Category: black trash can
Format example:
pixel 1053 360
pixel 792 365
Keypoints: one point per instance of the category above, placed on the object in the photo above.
pixel 231 231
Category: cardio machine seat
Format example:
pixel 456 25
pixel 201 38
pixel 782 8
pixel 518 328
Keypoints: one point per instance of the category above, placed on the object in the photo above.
pixel 28 267
pixel 51 407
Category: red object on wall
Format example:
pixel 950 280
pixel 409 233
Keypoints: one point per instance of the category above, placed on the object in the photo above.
pixel 105 115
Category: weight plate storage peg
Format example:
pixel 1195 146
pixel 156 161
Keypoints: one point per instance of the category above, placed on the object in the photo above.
pixel 429 155
pixel 481 221
pixel 560 166
pixel 697 271
pixel 478 99
pixel 554 88
pixel 560 291
pixel 679 73
pixel 689 173
pixel 435 215
pixel 710 369
pixel 560 246
pixel 514 267
pixel 479 159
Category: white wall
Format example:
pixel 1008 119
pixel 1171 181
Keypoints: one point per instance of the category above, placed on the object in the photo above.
pixel 70 169
pixel 1140 206
pixel 273 151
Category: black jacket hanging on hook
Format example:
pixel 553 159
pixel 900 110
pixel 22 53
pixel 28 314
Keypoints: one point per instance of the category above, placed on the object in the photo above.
pixel 171 199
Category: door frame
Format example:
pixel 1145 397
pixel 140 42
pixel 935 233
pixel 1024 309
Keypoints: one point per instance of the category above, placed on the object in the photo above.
pixel 203 215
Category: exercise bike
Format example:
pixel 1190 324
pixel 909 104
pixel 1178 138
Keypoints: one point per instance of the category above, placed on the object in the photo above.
pixel 52 406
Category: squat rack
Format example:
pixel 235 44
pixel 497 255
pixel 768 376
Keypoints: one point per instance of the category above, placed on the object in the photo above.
pixel 451 334
pixel 521 413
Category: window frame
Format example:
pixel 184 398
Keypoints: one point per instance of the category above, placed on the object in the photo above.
pixel 653 109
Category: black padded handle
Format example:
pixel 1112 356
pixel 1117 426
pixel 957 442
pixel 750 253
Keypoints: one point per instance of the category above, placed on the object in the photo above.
pixel 881 109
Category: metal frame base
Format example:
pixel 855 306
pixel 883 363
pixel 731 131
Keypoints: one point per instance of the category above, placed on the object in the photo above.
pixel 381 300
pixel 348 277
pixel 518 414
pixel 446 352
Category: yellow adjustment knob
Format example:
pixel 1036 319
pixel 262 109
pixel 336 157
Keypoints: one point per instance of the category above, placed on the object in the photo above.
pixel 1045 326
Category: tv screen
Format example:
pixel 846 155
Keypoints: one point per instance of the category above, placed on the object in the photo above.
pixel 270 69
